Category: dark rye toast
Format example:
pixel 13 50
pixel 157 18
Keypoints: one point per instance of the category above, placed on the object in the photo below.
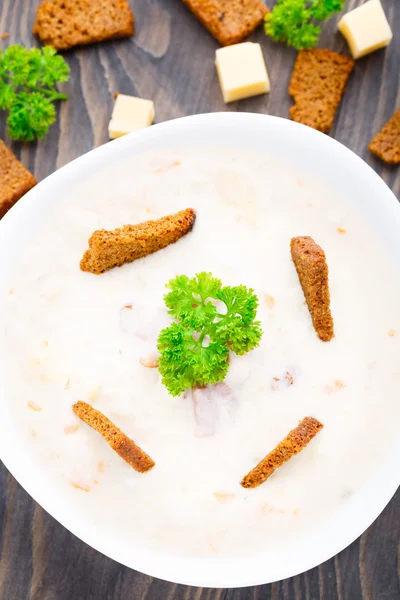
pixel 386 144
pixel 312 269
pixel 109 249
pixel 15 180
pixel 229 21
pixel 64 24
pixel 294 442
pixel 317 85
pixel 116 439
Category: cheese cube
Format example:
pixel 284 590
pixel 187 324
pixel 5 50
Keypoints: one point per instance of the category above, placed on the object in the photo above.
pixel 241 71
pixel 130 114
pixel 366 28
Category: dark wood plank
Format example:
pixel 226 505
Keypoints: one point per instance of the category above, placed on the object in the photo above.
pixel 171 60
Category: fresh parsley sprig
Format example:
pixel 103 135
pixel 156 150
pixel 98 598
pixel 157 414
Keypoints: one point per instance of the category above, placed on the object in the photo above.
pixel 28 79
pixel 296 22
pixel 210 320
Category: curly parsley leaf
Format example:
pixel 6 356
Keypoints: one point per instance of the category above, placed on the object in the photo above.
pixel 27 89
pixel 297 22
pixel 210 321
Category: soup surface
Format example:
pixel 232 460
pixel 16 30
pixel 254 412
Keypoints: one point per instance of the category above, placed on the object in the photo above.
pixel 70 335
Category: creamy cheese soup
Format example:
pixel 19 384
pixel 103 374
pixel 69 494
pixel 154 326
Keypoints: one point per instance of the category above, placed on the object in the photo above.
pixel 70 335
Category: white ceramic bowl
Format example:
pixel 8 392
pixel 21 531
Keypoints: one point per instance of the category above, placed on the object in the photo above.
pixel 335 165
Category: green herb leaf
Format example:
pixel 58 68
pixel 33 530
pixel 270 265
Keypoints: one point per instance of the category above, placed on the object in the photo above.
pixel 194 350
pixel 27 89
pixel 296 22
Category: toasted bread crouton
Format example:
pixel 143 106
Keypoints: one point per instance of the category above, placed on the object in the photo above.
pixel 293 443
pixel 109 249
pixel 229 21
pixel 64 24
pixel 318 83
pixel 386 143
pixel 312 269
pixel 119 442
pixel 15 180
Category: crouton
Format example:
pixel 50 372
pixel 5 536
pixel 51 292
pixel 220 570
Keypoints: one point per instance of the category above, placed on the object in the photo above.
pixel 294 442
pixel 109 249
pixel 229 21
pixel 15 180
pixel 119 442
pixel 312 269
pixel 64 24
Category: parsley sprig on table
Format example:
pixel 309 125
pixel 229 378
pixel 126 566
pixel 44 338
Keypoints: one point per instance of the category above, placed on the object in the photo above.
pixel 296 22
pixel 27 89
pixel 194 349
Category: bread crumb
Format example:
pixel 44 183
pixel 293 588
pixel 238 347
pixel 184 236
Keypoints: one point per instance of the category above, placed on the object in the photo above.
pixel 269 300
pixel 213 548
pixel 285 381
pixel 101 466
pixel 95 393
pixel 391 333
pixel 150 361
pixel 223 497
pixel 81 486
pixel 68 384
pixel 33 434
pixel 34 406
pixel 335 387
pixel 70 429
pixel 96 481
pixel 164 168
pixel 341 230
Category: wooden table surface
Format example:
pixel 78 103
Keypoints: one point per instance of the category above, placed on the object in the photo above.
pixel 171 60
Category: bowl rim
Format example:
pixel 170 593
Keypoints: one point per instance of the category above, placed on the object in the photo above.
pixel 215 572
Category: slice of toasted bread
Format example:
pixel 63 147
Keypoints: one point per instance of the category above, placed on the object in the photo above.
pixel 119 442
pixel 229 21
pixel 294 442
pixel 318 83
pixel 15 180
pixel 109 249
pixel 64 24
pixel 386 143
pixel 312 269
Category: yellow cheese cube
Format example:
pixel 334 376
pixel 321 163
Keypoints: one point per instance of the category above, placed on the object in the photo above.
pixel 241 71
pixel 130 114
pixel 366 28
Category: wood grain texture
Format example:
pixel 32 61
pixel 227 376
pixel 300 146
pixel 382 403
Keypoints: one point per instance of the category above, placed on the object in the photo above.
pixel 171 60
